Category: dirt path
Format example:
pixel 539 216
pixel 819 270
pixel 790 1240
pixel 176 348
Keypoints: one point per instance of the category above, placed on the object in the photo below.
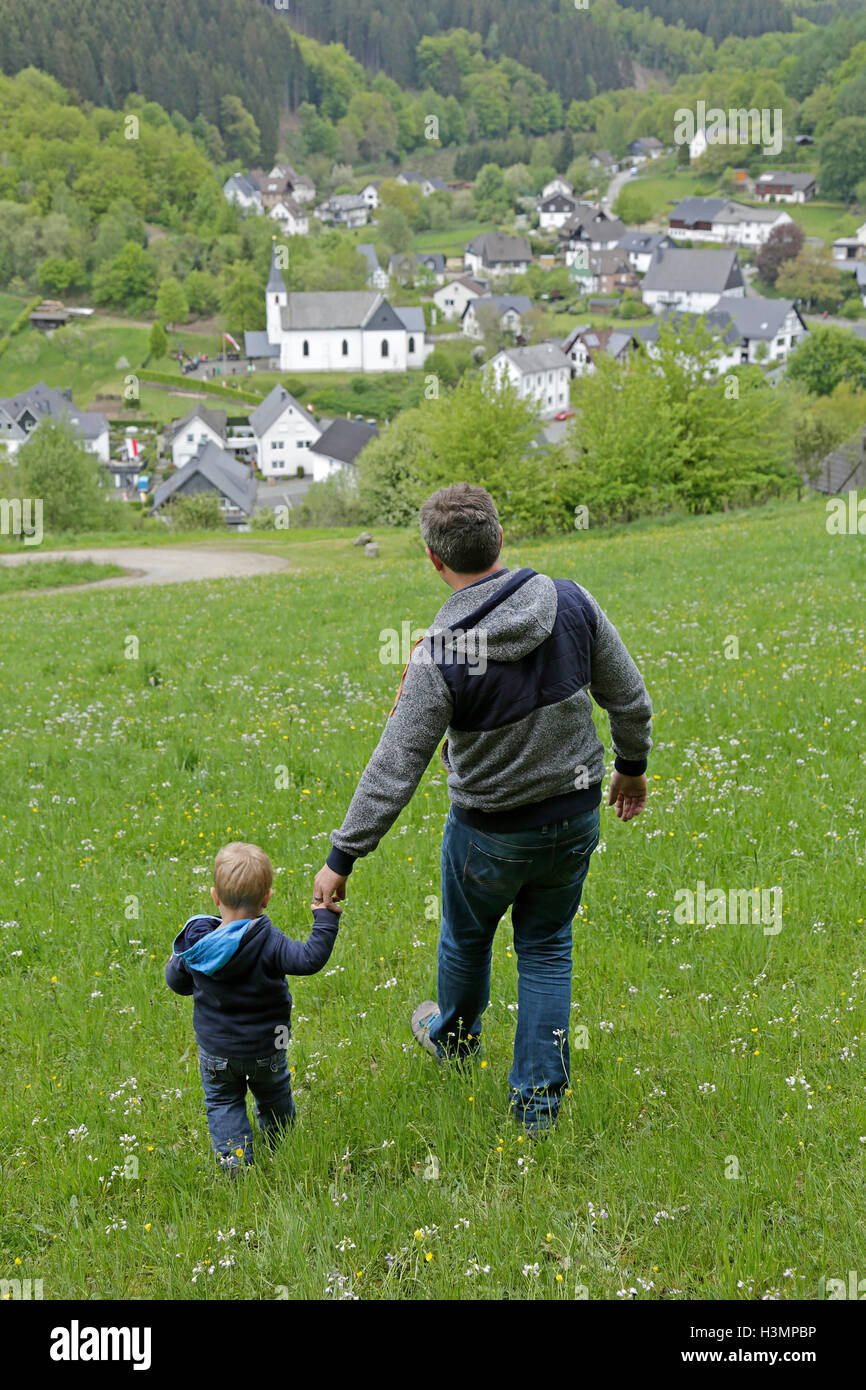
pixel 170 564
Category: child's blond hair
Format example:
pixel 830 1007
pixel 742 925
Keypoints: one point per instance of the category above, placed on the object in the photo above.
pixel 242 875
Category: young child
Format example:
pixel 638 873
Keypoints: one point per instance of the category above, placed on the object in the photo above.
pixel 235 966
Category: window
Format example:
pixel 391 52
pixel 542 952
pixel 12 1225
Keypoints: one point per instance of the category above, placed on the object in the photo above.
pixel 306 348
pixel 345 348
pixel 411 344
pixel 384 348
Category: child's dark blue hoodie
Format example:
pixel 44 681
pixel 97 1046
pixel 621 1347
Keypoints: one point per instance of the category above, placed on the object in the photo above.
pixel 236 975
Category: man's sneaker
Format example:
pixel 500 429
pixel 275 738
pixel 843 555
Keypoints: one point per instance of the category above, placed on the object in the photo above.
pixel 424 1015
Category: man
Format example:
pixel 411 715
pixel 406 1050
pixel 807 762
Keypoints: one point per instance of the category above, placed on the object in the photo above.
pixel 506 671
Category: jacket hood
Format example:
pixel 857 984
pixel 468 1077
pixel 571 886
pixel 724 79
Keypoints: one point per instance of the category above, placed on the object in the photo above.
pixel 501 618
pixel 206 945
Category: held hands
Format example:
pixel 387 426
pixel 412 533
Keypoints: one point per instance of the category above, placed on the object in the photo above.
pixel 627 794
pixel 329 889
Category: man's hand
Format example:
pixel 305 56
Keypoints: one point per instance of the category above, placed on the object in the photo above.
pixel 329 888
pixel 628 794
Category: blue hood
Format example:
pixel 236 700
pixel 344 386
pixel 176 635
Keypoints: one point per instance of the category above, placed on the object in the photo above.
pixel 216 947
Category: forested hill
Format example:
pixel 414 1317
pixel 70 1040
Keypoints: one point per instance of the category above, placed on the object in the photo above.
pixel 185 56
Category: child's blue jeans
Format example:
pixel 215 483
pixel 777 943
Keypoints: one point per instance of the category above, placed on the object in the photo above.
pixel 225 1081
pixel 539 874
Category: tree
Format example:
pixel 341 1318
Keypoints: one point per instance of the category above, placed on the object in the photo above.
pixel 842 155
pixel 783 244
pixel 827 357
pixel 394 229
pixel 171 302
pixel 127 281
pixel 202 292
pixel 196 511
pixel 243 302
pixel 55 467
pixel 822 423
pixel 157 342
pixel 57 276
pixel 633 206
pixel 810 276
pixel 239 130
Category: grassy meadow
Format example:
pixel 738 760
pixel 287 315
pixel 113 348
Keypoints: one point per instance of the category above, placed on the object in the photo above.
pixel 713 1143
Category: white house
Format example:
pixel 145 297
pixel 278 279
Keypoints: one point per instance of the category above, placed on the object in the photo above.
pixel 344 210
pixel 557 185
pixel 244 193
pixel 283 432
pixel 784 187
pixel 554 211
pixel 337 330
pixel 417 266
pixel 641 247
pixel 692 281
pixel 507 312
pixel 187 436
pixel 496 255
pixel 293 220
pixel 337 448
pixel 427 185
pixel 370 194
pixel 377 278
pixel 540 373
pixel 451 299
pixel 603 159
pixel 724 221
pixel 417 348
pixel 585 344
pixel 644 148
pixel 591 228
pixel 20 415
pixel 748 330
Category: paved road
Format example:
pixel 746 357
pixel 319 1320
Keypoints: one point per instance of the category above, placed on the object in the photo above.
pixel 170 564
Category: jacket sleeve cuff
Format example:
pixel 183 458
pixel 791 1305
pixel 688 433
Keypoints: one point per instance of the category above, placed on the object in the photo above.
pixel 325 917
pixel 630 767
pixel 340 860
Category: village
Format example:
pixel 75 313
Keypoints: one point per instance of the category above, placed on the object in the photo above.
pixel 697 265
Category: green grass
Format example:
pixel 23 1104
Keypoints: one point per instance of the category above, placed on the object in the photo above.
pixel 452 240
pixel 52 573
pixel 11 306
pixel 123 776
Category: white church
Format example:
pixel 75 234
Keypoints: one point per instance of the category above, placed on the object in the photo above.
pixel 337 330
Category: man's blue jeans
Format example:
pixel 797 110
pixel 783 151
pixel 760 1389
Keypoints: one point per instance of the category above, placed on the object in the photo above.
pixel 225 1081
pixel 539 874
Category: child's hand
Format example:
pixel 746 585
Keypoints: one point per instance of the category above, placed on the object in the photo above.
pixel 332 906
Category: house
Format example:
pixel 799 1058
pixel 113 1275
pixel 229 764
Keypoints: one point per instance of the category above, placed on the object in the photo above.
pixel 725 221
pixel 370 194
pixel 603 159
pixel 540 374
pixel 451 299
pixel 784 187
pixel 48 315
pixel 185 437
pixel 343 210
pixel 283 431
pixel 585 345
pixel 212 469
pixel 491 312
pixel 847 249
pixel 273 187
pixel 641 247
pixel 292 218
pixel 409 267
pixel 243 192
pixel 557 185
pixel 692 281
pixel 302 188
pixel 338 447
pixel 555 210
pixel 427 185
pixel 591 228
pixel 377 278
pixel 747 330
pixel 698 145
pixel 337 330
pixel 644 148
pixel 495 254
pixel 20 415
pixel 603 272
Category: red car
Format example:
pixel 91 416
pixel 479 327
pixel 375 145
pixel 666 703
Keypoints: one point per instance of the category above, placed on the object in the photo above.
pixel 563 415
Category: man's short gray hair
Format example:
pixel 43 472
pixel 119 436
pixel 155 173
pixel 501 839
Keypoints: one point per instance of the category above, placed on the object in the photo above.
pixel 460 525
